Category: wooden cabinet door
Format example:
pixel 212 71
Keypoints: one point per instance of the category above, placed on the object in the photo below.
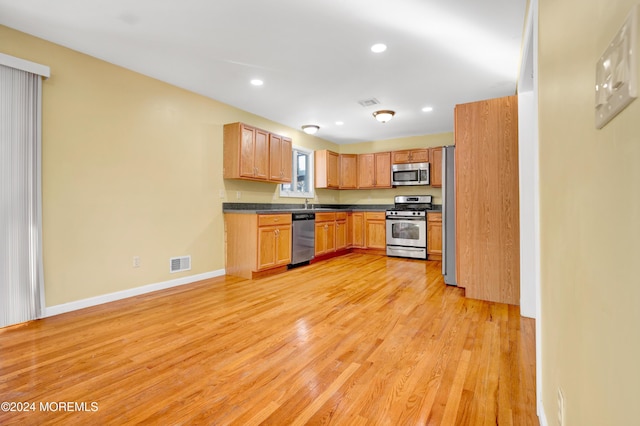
pixel 434 234
pixel 274 246
pixel 341 234
pixel 331 236
pixel 275 157
pixel 435 167
pixel 261 154
pixel 375 230
pixel 247 152
pixel 283 245
pixel 266 247
pixel 320 239
pixel 348 171
pixel 410 156
pixel 333 170
pixel 383 170
pixel 326 169
pixel 287 159
pixel 419 155
pixel 366 170
pixel 487 214
pixel 400 157
pixel 357 230
pixel 279 158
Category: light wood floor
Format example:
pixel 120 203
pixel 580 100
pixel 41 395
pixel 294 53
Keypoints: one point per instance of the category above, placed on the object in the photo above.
pixel 354 340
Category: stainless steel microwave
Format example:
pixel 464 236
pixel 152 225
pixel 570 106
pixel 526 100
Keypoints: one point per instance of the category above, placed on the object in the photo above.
pixel 410 174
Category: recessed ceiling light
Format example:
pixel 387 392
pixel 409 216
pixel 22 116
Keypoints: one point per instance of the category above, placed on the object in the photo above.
pixel 339 123
pixel 257 82
pixel 378 48
pixel 427 109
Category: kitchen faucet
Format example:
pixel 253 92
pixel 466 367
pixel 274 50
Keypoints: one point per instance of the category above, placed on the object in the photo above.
pixel 306 203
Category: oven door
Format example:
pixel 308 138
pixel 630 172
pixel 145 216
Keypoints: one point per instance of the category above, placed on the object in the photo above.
pixel 407 232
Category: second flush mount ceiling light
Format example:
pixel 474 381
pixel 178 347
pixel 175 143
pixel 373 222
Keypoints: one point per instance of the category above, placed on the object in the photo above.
pixel 384 115
pixel 310 129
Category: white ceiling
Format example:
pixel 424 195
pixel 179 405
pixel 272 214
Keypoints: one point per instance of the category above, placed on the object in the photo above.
pixel 313 55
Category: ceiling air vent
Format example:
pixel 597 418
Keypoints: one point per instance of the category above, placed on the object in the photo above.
pixel 179 264
pixel 369 102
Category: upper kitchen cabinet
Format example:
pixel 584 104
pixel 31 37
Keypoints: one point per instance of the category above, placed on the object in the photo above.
pixel 254 154
pixel 279 158
pixel 487 200
pixel 348 171
pixel 410 156
pixel 327 169
pixel 435 167
pixel 246 152
pixel 374 170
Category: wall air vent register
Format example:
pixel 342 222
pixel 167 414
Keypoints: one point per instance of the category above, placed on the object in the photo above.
pixel 179 264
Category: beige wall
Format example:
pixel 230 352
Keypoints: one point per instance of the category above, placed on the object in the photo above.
pixel 133 167
pixel 590 223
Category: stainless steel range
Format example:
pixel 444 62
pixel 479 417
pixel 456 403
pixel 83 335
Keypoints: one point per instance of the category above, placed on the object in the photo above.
pixel 407 226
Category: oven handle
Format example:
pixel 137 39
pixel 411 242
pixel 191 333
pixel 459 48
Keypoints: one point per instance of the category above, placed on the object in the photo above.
pixel 404 248
pixel 415 218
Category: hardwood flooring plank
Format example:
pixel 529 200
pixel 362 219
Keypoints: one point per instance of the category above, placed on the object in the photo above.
pixel 353 340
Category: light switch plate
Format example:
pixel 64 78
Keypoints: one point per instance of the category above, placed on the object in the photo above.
pixel 617 72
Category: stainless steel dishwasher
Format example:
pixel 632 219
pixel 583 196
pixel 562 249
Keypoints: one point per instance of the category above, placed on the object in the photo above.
pixel 304 236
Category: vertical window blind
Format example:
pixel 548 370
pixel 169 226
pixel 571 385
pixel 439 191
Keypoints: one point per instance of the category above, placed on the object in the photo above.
pixel 21 281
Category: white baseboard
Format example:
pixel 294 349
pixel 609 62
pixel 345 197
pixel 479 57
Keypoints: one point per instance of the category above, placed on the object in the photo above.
pixel 542 417
pixel 111 297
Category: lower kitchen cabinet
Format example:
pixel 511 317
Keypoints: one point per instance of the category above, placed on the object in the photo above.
pixel 325 233
pixel 357 230
pixel 342 231
pixel 257 244
pixel 375 230
pixel 274 241
pixel 434 236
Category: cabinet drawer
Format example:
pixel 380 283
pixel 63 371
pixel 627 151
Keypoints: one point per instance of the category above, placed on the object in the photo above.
pixel 434 217
pixel 341 216
pixel 325 217
pixel 374 215
pixel 273 219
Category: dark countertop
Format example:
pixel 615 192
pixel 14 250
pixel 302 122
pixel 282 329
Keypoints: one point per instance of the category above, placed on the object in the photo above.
pixel 266 208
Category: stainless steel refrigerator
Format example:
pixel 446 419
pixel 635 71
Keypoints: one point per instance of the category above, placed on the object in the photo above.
pixel 449 216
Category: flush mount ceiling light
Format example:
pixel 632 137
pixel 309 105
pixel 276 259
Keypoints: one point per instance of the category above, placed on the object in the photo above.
pixel 384 115
pixel 257 82
pixel 427 109
pixel 310 129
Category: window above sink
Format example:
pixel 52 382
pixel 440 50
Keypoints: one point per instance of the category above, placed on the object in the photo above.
pixel 301 185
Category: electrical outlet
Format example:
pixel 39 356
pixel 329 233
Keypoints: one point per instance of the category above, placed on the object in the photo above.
pixel 560 408
pixel 222 193
pixel 238 195
pixel 136 261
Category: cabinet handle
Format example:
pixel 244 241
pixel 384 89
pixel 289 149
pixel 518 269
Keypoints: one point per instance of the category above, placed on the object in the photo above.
pixel 277 233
